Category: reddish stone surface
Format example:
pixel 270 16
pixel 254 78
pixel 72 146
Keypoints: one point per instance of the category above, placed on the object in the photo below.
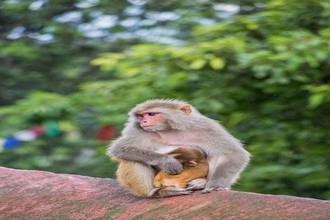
pixel 42 195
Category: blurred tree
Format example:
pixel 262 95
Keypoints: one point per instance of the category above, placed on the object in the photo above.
pixel 262 69
pixel 40 40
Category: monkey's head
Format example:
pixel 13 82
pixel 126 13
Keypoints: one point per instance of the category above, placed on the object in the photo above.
pixel 162 114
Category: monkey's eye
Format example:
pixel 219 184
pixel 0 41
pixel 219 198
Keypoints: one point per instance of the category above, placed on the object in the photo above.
pixel 139 116
pixel 152 113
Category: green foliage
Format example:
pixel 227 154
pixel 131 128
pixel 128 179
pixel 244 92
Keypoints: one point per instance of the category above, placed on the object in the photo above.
pixel 263 73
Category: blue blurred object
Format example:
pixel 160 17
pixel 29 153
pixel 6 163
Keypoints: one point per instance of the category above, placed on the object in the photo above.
pixel 10 143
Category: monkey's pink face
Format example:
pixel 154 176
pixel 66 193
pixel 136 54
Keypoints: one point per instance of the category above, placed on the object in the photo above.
pixel 151 121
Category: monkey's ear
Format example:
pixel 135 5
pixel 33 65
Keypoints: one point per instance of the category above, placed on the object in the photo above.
pixel 186 109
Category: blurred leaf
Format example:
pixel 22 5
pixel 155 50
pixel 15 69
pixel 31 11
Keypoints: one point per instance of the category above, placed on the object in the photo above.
pixel 316 100
pixel 197 64
pixel 217 63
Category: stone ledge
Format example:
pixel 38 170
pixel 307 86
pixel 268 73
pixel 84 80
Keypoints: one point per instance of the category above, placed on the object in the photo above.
pixel 27 194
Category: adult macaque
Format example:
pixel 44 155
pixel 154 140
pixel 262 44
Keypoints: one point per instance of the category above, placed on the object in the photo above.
pixel 156 125
pixel 195 167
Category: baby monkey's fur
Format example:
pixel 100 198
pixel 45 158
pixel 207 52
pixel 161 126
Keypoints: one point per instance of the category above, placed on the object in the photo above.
pixel 195 166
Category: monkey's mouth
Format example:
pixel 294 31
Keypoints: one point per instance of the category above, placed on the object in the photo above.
pixel 148 126
pixel 151 128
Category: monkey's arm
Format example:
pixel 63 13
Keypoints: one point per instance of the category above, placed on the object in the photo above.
pixel 127 152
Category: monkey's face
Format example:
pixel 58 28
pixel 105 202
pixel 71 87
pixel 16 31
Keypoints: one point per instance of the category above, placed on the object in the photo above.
pixel 152 121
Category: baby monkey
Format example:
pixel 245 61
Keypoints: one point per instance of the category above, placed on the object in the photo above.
pixel 195 167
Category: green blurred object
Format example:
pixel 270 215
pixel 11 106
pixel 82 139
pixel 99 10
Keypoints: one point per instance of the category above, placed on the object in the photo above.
pixel 52 129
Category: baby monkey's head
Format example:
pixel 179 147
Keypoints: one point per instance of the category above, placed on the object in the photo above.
pixel 189 157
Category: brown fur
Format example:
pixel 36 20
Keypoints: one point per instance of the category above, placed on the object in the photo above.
pixel 195 166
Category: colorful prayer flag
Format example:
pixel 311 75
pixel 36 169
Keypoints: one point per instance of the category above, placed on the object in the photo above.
pixel 10 143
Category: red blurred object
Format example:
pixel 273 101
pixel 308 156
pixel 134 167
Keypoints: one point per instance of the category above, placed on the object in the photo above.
pixel 39 130
pixel 106 132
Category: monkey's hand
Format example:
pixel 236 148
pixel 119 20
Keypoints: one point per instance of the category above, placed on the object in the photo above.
pixel 211 186
pixel 196 184
pixel 170 165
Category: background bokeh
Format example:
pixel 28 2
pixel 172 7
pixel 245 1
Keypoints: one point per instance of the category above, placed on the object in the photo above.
pixel 70 70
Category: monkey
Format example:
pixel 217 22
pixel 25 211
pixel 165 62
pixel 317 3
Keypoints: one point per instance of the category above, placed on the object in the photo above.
pixel 157 124
pixel 195 166
pixel 137 176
